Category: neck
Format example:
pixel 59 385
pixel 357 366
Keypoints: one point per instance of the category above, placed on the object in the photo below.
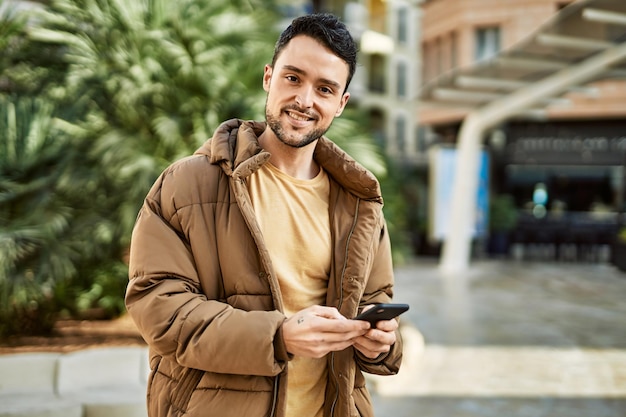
pixel 295 162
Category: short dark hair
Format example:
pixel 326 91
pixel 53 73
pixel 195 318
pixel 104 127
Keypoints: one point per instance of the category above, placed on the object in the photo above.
pixel 328 30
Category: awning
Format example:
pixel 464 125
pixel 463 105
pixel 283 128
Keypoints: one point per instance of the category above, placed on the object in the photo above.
pixel 579 31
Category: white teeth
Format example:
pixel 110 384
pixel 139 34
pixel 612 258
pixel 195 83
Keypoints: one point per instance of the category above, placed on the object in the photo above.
pixel 300 118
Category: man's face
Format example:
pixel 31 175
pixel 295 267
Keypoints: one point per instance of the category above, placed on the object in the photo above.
pixel 305 91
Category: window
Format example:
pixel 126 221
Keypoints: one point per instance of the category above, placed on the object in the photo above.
pixel 440 55
pixel 377 74
pixel 401 81
pixel 428 63
pixel 377 122
pixel 421 143
pixel 487 42
pixel 403 25
pixel 454 41
pixel 401 133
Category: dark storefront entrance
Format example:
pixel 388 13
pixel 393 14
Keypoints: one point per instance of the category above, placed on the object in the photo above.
pixel 567 180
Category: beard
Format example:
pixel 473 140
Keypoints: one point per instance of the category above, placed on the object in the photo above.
pixel 294 140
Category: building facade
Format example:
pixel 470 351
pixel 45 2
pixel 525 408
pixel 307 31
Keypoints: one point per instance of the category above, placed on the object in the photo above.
pixel 563 167
pixel 390 73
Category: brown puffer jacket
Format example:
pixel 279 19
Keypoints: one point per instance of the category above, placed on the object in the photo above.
pixel 203 293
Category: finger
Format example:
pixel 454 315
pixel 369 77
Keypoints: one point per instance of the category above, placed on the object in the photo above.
pixel 380 336
pixel 387 325
pixel 369 348
pixel 321 330
pixel 351 328
pixel 337 334
pixel 357 326
pixel 303 340
pixel 327 312
pixel 318 351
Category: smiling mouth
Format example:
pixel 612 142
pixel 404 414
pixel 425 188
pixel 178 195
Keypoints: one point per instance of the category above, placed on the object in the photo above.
pixel 299 116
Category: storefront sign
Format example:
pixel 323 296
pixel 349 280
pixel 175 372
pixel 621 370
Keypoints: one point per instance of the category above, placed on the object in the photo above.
pixel 567 144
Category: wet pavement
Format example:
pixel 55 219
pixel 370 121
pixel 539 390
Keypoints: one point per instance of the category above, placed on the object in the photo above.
pixel 509 339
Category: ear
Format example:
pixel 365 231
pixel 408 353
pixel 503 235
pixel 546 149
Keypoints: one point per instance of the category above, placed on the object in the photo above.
pixel 342 104
pixel 267 77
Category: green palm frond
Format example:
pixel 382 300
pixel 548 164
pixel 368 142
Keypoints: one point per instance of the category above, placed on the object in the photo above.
pixel 28 182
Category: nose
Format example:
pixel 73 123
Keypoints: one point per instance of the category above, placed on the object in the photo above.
pixel 304 97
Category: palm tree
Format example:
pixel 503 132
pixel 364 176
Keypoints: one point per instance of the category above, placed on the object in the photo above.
pixel 124 89
pixel 149 80
pixel 34 215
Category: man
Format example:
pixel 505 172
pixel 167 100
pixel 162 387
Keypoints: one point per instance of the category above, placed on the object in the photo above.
pixel 250 258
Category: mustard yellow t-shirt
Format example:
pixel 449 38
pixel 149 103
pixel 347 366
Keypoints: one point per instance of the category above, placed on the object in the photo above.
pixel 293 216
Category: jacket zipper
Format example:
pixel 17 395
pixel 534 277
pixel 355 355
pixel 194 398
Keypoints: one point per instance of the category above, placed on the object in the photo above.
pixel 275 397
pixel 343 271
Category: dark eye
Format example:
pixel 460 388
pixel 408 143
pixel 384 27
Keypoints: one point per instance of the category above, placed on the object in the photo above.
pixel 326 90
pixel 292 78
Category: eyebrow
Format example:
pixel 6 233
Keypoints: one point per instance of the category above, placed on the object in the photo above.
pixel 302 72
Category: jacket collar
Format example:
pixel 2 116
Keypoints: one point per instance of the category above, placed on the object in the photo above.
pixel 235 147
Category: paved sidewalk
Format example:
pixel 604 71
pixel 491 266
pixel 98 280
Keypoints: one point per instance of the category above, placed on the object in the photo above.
pixel 509 339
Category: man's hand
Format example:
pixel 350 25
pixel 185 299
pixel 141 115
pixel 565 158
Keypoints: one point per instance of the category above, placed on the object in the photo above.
pixel 377 340
pixel 317 330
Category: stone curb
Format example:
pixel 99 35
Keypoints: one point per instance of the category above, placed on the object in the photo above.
pixel 93 382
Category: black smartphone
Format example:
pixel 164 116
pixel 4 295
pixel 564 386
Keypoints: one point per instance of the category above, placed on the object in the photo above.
pixel 382 312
